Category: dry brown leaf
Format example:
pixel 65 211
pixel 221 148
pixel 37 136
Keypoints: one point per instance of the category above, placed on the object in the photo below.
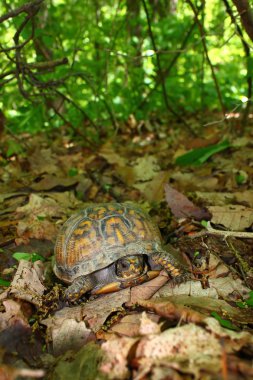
pixel 34 218
pixel 13 315
pixel 11 373
pixel 188 342
pixel 43 161
pixel 128 326
pixel 115 365
pixel 40 206
pixel 65 199
pixel 182 207
pixel 34 228
pixel 137 324
pixel 67 334
pixel 49 182
pixel 27 283
pixel 94 312
pixel 148 325
pixel 153 190
pixel 174 307
pixel 233 217
pixel 108 152
pixel 145 168
pixel 193 181
pixel 220 199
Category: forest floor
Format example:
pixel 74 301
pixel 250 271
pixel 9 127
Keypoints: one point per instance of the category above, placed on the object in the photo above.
pixel 203 204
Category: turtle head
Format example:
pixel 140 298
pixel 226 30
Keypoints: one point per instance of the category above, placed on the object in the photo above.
pixel 130 266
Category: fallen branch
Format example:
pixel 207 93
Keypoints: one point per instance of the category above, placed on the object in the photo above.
pixel 212 231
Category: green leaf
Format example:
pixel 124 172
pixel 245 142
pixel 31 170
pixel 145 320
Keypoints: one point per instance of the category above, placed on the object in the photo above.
pixel 201 155
pixel 4 282
pixel 13 148
pixel 41 217
pixel 27 256
pixel 224 322
pixel 204 223
pixel 196 254
pixel 72 172
pixel 247 302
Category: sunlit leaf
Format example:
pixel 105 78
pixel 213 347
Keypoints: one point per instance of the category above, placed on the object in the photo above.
pixel 27 256
pixel 201 155
pixel 224 322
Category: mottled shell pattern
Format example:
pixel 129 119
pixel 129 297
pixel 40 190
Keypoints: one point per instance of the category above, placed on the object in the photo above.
pixel 101 234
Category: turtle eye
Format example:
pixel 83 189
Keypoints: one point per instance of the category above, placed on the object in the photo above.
pixel 125 264
pixel 121 267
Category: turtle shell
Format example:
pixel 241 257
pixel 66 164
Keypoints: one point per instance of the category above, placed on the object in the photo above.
pixel 101 234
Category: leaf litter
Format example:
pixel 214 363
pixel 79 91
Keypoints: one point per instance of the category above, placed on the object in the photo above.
pixel 158 329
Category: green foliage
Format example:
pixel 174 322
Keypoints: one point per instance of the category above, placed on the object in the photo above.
pixel 200 155
pixel 4 283
pixel 73 172
pixel 112 66
pixel 246 303
pixel 224 322
pixel 27 256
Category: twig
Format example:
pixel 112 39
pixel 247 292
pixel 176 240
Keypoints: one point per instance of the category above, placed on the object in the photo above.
pixel 203 39
pixel 27 8
pixel 212 231
pixel 159 67
pixel 19 66
pixel 69 100
pixel 247 55
pixel 68 123
pixel 172 63
pixel 244 265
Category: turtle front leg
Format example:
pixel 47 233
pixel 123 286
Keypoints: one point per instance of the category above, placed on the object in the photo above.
pixel 175 269
pixel 79 287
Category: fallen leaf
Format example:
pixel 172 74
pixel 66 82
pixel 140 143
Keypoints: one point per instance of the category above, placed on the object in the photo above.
pixel 49 182
pixel 67 334
pixel 182 207
pixel 43 161
pixel 27 283
pixel 194 182
pixel 115 364
pixel 94 312
pixel 233 217
pixel 11 373
pixel 153 190
pixel 13 315
pixel 34 218
pixel 184 306
pixel 137 324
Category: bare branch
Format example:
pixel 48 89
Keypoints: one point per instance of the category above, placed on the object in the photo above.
pixel 203 39
pixel 48 65
pixel 247 55
pixel 27 8
pixel 159 67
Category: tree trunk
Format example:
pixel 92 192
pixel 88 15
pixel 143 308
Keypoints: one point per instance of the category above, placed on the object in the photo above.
pixel 246 15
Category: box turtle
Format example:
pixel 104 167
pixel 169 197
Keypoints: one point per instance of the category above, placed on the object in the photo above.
pixel 108 247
